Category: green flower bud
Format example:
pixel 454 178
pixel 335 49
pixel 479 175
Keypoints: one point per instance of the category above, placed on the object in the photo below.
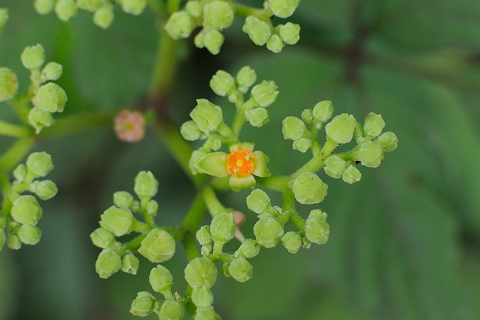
pixel 370 154
pixel 241 270
pixel 302 144
pixel 258 201
pixel 246 77
pixel 335 166
pixel 134 7
pixel 26 210
pixel 39 164
pixel 158 246
pixel 20 172
pixel 45 190
pixel 249 249
pixel 179 25
pixel 39 119
pixel 206 115
pixel 309 188
pixel 190 131
pixel 50 97
pixel 204 236
pixel 293 128
pixel 373 125
pixel 258 31
pixel 160 279
pixel 8 84
pixel 257 116
pixel 292 241
pixel 44 6
pixel 264 94
pixel 29 234
pixel 389 141
pixel 201 272
pixel 3 21
pixel 323 111
pixel 152 207
pixel 103 17
pixel 90 5
pixel 225 271
pixel 102 238
pixel 217 15
pixel 283 8
pixel 118 221
pixel 52 71
pixel 130 264
pixel 199 39
pixel 307 116
pixel 222 227
pixel 268 232
pixel 13 242
pixel 108 263
pixel 351 175
pixel 341 128
pixel 275 43
pixel 122 199
pixel 206 314
pixel 171 310
pixel 33 57
pixel 143 304
pixel 213 41
pixel 3 238
pixel 317 229
pixel 222 83
pixel 194 8
pixel 146 185
pixel 196 156
pixel 202 297
pixel 290 33
pixel 65 9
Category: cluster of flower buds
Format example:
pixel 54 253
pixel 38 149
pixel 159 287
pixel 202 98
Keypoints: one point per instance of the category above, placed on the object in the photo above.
pixel 102 9
pixel 20 226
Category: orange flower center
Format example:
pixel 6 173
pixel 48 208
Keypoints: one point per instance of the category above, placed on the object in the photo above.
pixel 239 163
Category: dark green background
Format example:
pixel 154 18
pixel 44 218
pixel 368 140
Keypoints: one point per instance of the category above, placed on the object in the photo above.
pixel 404 241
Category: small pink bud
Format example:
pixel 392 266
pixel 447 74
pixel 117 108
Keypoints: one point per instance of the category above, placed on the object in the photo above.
pixel 239 218
pixel 130 126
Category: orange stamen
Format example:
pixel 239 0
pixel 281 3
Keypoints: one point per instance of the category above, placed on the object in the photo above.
pixel 239 163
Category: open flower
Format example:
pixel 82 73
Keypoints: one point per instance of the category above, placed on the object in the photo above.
pixel 242 163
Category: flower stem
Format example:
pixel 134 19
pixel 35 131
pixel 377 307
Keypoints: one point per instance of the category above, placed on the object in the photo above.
pixel 16 153
pixel 13 130
pixel 215 207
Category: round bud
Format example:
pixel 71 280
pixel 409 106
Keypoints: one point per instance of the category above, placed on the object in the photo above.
pixel 134 7
pixel 213 41
pixel 275 43
pixel 222 227
pixel 302 144
pixel 50 97
pixel 65 9
pixel 292 241
pixel 103 17
pixel 158 246
pixel 293 128
pixel 371 153
pixel 143 304
pixel 239 218
pixel 179 25
pixel 160 279
pixel 217 15
pixel 206 314
pixel 190 131
pixel 206 115
pixel 307 116
pixel 309 188
pixel 249 249
pixel 201 272
pixel 29 234
pixel 204 236
pixel 268 232
pixel 283 8
pixel 246 77
pixel 290 33
pixel 8 84
pixel 341 128
pixel 45 190
pixel 258 201
pixel 3 21
pixel 129 125
pixel 351 175
pixel 258 31
pixel 257 116
pixel 335 166
pixel 199 39
pixel 108 263
pixel 323 111
pixel 222 83
pixel 265 93
pixel 317 229
pixel 102 238
pixel 52 71
pixel 202 297
pixel 20 172
pixel 122 199
pixel 90 5
pixel 152 207
pixel 44 6
pixel 194 8
pixel 39 119
pixel 373 125
pixel 3 238
pixel 130 264
pixel 39 164
pixel 388 140
pixel 13 242
pixel 225 271
pixel 146 185
pixel 118 221
pixel 240 270
pixel 26 210
pixel 171 310
pixel 33 57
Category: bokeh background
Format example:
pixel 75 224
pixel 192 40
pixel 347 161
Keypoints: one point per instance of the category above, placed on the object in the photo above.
pixel 404 240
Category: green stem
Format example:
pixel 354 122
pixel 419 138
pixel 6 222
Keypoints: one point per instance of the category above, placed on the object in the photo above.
pixel 215 207
pixel 16 153
pixel 13 130
pixel 240 118
pixel 278 183
pixel 173 5
pixel 21 106
pixel 158 6
pixel 194 217
pixel 190 247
